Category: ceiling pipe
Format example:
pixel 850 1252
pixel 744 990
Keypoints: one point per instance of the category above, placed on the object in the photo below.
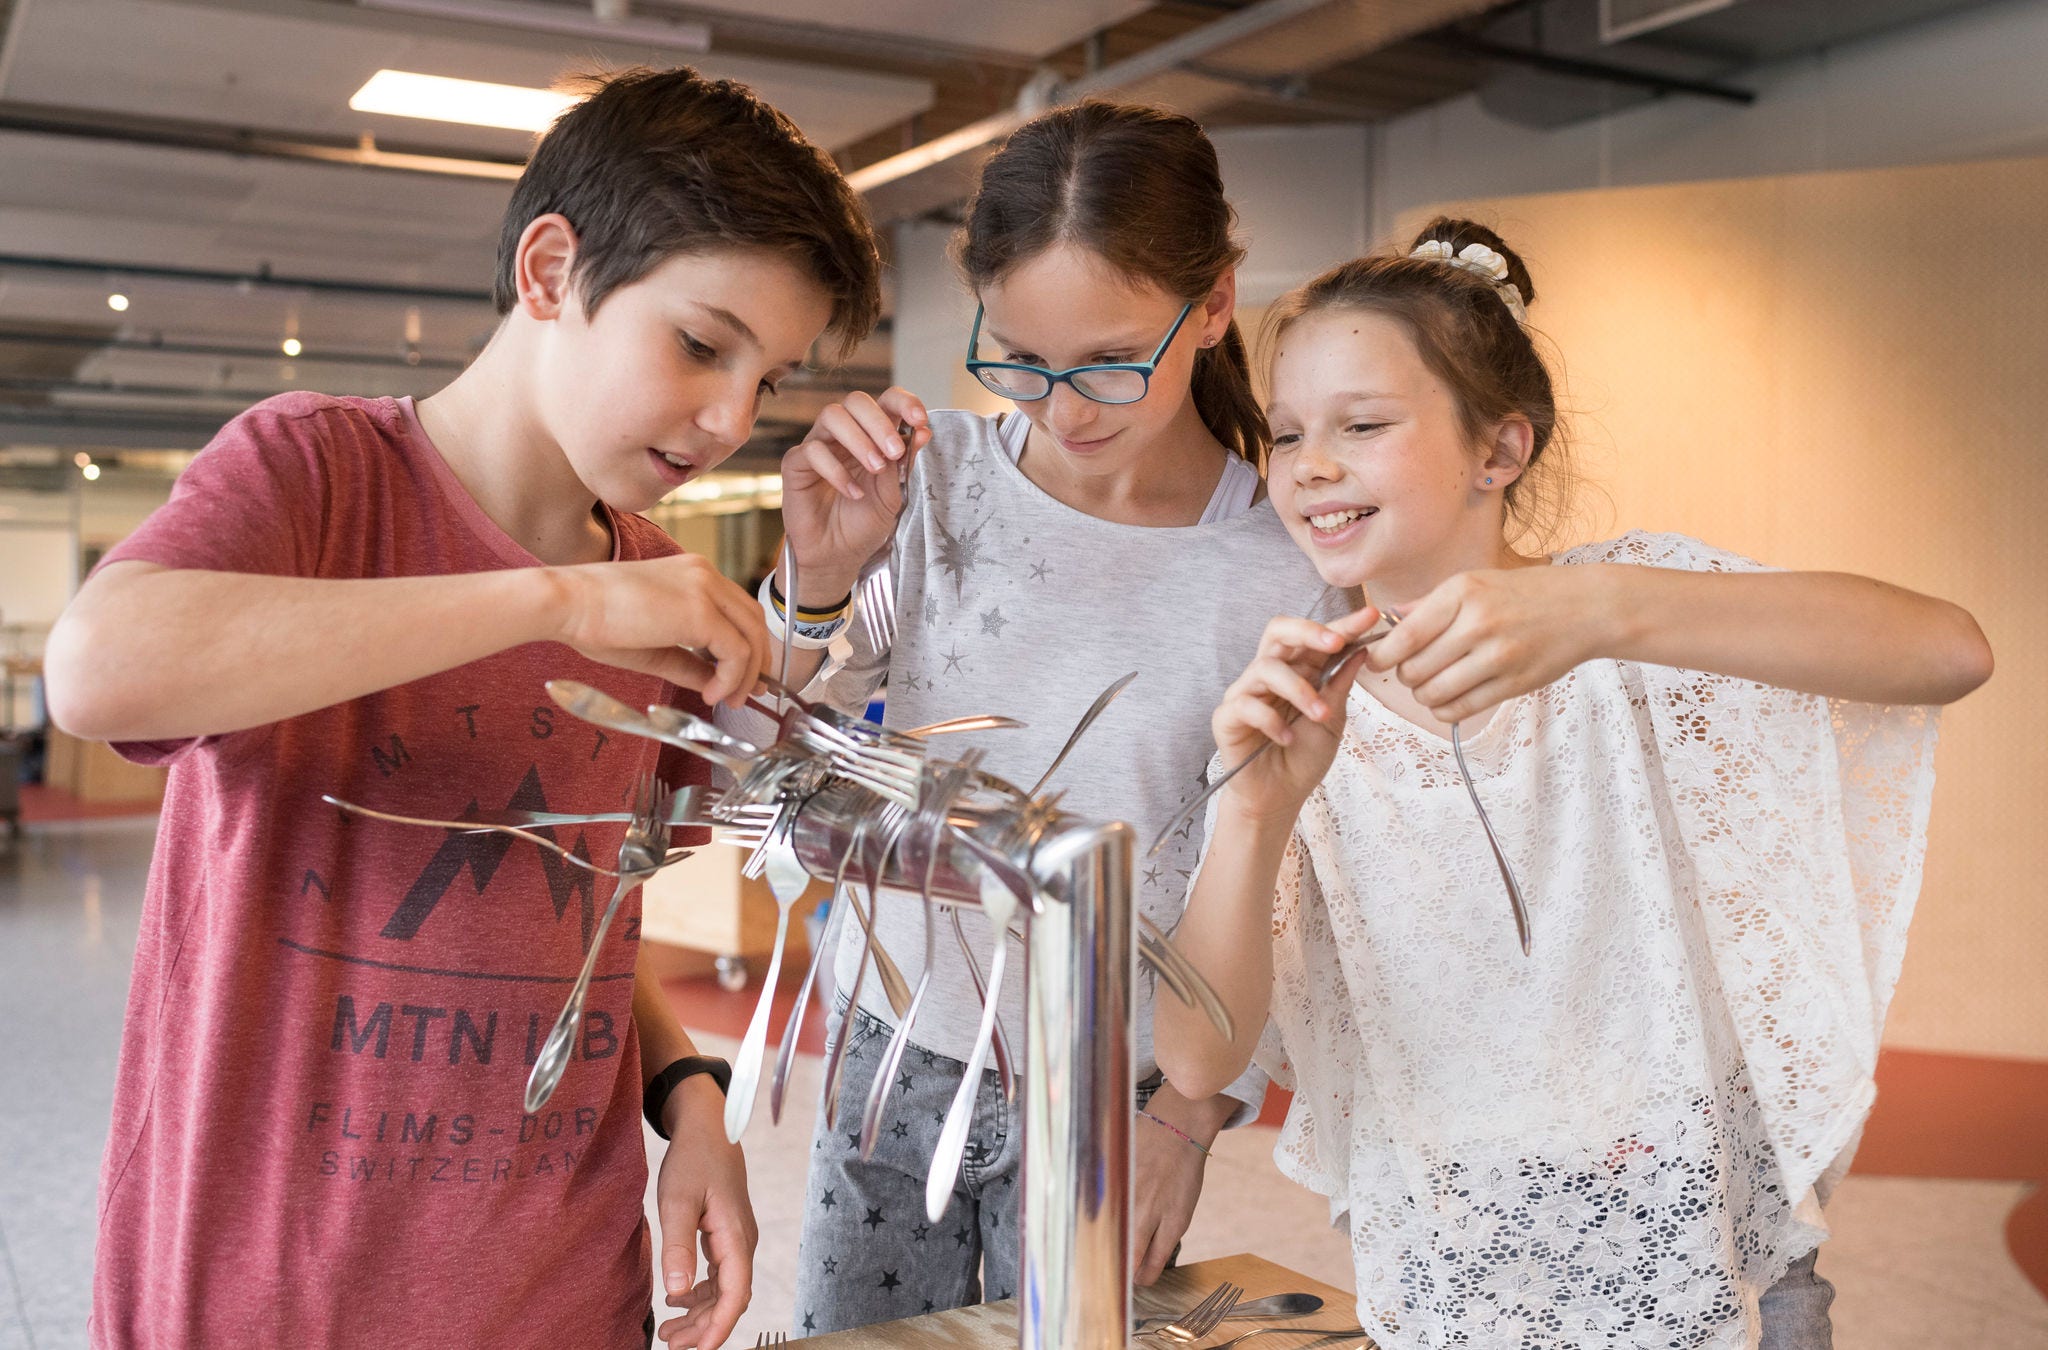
pixel 1037 95
pixel 262 276
pixel 157 345
pixel 92 124
pixel 608 22
pixel 1271 38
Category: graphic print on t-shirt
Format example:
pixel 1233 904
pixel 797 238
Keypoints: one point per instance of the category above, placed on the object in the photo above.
pixel 442 975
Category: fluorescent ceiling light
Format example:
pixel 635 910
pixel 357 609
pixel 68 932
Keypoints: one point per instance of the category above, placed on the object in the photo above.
pixel 476 103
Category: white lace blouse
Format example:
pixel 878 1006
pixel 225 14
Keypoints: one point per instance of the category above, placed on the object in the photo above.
pixel 1615 1141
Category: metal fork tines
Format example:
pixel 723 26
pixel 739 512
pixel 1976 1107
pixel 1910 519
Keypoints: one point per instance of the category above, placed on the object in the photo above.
pixel 1201 1319
pixel 937 789
pixel 875 595
pixel 875 601
pixel 787 880
pixel 887 827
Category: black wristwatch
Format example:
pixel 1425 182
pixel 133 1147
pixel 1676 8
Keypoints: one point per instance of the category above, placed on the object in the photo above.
pixel 663 1083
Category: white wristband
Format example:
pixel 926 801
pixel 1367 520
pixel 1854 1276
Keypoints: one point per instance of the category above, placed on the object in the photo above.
pixel 801 636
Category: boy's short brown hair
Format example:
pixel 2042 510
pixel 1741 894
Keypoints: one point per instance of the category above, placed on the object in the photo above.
pixel 656 163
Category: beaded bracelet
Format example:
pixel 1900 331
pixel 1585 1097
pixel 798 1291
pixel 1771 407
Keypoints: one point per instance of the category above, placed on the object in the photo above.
pixel 1169 1125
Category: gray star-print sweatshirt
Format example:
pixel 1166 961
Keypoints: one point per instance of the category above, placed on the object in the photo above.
pixel 1009 601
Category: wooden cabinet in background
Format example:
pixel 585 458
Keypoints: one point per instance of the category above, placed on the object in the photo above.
pixel 92 772
pixel 703 904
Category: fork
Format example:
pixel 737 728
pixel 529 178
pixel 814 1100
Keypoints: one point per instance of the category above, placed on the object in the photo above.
pixel 1201 1319
pixel 937 792
pixel 880 845
pixel 1327 1335
pixel 787 880
pixel 771 1338
pixel 1329 670
pixel 641 855
pixel 472 827
pixel 875 596
pixel 785 1054
pixel 998 904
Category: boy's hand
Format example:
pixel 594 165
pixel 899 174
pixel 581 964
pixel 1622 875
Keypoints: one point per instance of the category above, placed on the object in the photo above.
pixel 1480 638
pixel 1256 710
pixel 641 616
pixel 840 490
pixel 702 1188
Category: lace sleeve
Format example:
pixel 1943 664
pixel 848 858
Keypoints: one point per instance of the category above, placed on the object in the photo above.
pixel 1804 822
pixel 1310 1044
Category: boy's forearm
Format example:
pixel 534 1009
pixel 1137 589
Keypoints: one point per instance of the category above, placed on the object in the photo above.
pixel 1825 633
pixel 663 1041
pixel 1228 934
pixel 150 653
pixel 662 1038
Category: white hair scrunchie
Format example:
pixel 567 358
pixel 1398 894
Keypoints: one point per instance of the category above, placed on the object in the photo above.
pixel 1480 261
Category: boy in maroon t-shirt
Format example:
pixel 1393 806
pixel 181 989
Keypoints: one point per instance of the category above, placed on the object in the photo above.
pixel 318 1136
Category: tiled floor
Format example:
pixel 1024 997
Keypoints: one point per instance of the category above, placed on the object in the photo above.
pixel 1918 1263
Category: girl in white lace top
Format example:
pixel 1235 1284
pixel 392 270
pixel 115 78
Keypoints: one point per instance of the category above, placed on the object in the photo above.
pixel 1711 780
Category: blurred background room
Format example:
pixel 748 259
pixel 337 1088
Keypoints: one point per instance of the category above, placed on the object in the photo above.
pixel 1794 250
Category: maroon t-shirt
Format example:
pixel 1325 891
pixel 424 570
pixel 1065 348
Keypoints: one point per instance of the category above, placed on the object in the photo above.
pixel 318 1136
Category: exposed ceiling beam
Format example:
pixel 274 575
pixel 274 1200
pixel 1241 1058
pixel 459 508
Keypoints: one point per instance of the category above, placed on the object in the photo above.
pixel 132 430
pixel 262 277
pixel 1581 68
pixel 1273 39
pixel 650 32
pixel 171 133
pixel 159 345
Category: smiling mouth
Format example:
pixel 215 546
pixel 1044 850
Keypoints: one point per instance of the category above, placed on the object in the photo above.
pixel 676 462
pixel 1337 520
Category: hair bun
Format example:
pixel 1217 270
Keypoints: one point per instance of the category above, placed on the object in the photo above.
pixel 1458 233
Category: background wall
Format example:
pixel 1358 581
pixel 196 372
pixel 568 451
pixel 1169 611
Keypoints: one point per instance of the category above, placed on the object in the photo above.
pixel 1965 86
pixel 1845 370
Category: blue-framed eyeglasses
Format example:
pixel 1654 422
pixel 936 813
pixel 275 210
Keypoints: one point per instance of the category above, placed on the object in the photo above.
pixel 1120 383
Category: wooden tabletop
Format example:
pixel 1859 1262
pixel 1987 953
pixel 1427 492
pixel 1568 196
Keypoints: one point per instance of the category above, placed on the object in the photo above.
pixel 993 1326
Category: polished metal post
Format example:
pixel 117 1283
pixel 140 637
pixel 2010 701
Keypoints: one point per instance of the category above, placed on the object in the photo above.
pixel 1075 1287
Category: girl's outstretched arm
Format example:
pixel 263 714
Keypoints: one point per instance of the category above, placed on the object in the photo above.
pixel 1483 637
pixel 1227 931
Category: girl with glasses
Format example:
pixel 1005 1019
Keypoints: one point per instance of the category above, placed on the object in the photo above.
pixel 1711 782
pixel 1111 522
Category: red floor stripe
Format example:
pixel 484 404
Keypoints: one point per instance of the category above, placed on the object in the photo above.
pixel 1957 1116
pixel 701 1005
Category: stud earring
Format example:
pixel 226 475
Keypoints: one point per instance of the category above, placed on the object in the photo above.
pixel 1489 482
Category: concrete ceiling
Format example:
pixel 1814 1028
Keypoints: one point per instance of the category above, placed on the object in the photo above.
pixel 168 148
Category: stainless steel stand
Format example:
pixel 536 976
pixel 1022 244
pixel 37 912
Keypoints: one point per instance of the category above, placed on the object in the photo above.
pixel 1077 1085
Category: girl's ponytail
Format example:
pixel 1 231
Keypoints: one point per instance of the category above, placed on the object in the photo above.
pixel 1222 388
